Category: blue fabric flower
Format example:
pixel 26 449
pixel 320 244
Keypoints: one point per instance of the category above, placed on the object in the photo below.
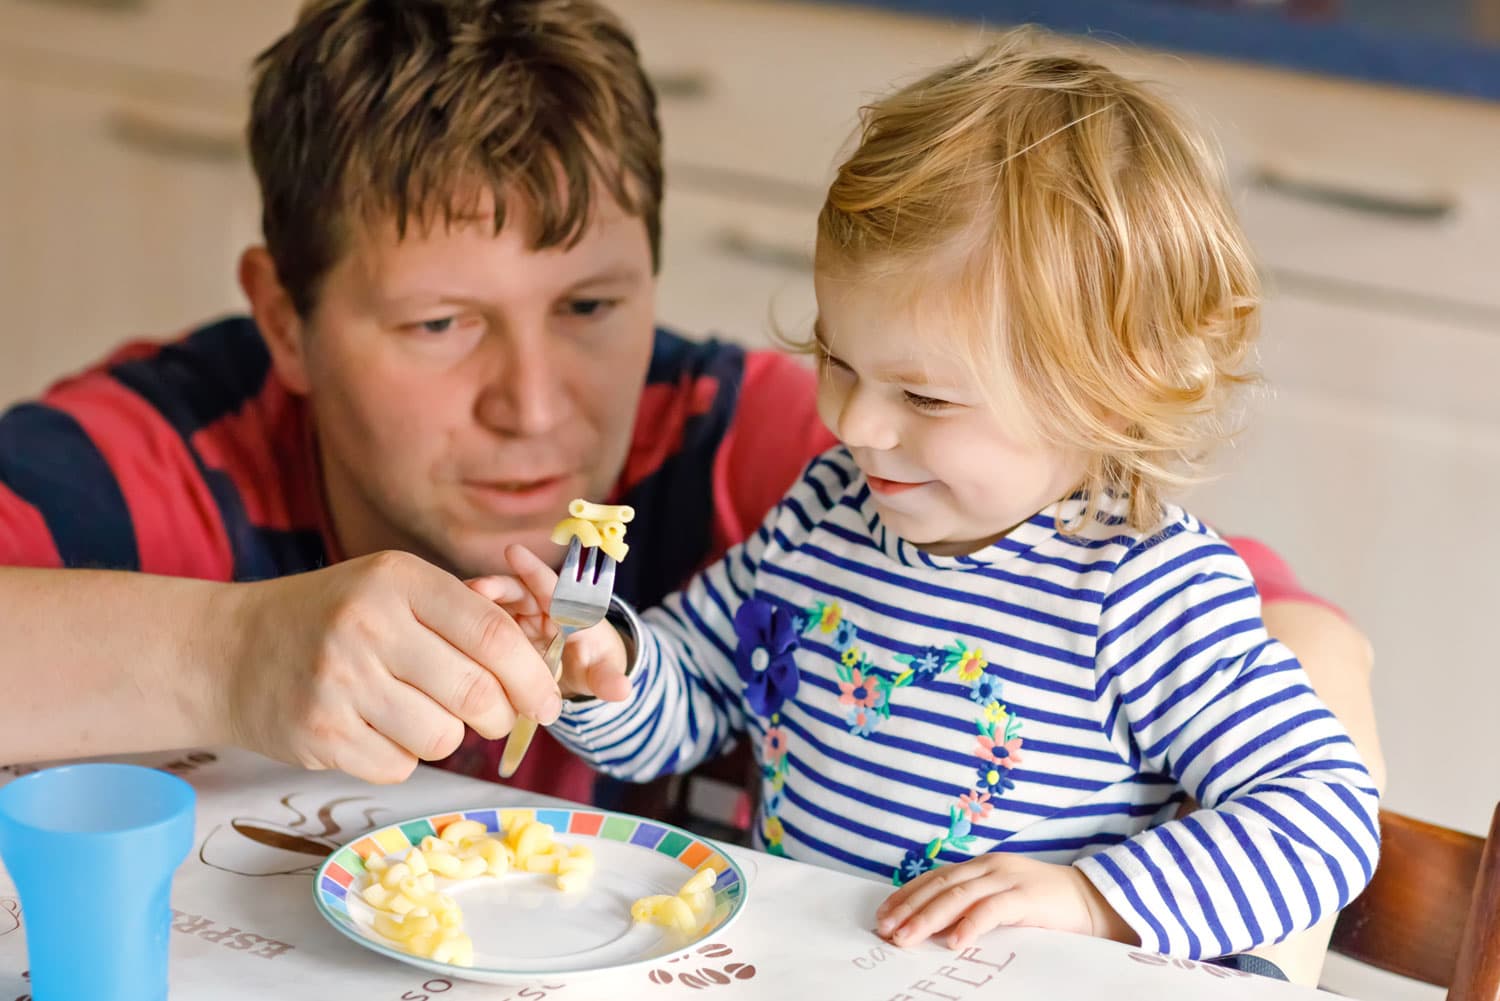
pixel 913 865
pixel 765 656
pixel 986 689
pixel 929 663
pixel 845 635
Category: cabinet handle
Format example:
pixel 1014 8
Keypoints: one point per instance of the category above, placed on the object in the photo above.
pixel 155 134
pixel 736 242
pixel 682 85
pixel 1415 206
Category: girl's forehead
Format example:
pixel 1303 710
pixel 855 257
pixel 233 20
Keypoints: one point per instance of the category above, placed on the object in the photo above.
pixel 926 332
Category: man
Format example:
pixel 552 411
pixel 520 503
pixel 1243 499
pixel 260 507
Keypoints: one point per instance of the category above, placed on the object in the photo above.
pixel 452 337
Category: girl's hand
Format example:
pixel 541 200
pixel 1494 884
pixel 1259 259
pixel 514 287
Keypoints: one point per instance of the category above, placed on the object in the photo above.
pixel 962 901
pixel 593 661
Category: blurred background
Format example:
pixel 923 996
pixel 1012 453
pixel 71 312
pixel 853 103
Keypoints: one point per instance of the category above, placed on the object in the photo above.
pixel 1363 143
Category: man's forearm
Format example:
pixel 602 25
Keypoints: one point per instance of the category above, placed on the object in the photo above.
pixel 1338 660
pixel 99 662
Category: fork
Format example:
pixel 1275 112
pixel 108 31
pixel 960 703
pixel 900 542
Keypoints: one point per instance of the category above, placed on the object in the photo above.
pixel 584 587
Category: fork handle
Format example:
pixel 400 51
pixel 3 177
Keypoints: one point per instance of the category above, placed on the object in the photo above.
pixel 554 653
pixel 525 727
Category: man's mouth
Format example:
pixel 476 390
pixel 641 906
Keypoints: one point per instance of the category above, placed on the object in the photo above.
pixel 518 486
pixel 510 498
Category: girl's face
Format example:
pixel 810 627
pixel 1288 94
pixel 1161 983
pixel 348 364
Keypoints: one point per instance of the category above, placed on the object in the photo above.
pixel 946 471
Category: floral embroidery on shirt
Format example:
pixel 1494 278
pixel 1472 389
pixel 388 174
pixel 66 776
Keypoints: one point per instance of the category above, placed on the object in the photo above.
pixel 998 746
pixel 925 665
pixel 826 615
pixel 773 769
pixel 913 865
pixel 970 664
pixel 865 690
pixel 769 637
pixel 985 690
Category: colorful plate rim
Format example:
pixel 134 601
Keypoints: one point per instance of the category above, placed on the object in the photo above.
pixel 344 865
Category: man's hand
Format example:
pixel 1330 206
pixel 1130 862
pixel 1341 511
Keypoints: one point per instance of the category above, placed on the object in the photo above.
pixel 964 900
pixel 373 664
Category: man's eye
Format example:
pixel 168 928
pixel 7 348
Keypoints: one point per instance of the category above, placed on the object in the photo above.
pixel 438 326
pixel 926 402
pixel 590 307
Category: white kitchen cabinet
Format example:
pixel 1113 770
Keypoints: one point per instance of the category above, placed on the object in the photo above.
pixel 1361 189
pixel 735 268
pixel 206 46
pixel 1372 465
pixel 773 90
pixel 119 218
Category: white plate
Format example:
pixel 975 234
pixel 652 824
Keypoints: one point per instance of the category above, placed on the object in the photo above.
pixel 523 928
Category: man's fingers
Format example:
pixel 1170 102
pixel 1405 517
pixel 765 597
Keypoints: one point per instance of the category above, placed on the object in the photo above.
pixel 412 720
pixel 373 757
pixel 488 636
pixel 451 682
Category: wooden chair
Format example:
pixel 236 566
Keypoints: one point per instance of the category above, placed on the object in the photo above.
pixel 1432 911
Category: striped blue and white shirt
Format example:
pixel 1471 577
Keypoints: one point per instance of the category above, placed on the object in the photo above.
pixel 1052 695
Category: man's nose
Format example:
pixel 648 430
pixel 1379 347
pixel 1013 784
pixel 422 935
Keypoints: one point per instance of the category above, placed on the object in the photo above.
pixel 525 394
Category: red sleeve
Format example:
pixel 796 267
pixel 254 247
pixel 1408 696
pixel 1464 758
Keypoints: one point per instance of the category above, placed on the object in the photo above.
pixel 94 475
pixel 1273 577
pixel 776 432
pixel 178 529
pixel 24 538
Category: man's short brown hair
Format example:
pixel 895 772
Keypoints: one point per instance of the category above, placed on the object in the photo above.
pixel 416 109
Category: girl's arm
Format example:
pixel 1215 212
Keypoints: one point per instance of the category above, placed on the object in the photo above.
pixel 1201 692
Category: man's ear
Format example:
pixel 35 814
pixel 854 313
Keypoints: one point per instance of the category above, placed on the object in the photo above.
pixel 276 316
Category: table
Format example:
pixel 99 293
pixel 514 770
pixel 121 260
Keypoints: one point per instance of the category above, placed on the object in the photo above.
pixel 245 926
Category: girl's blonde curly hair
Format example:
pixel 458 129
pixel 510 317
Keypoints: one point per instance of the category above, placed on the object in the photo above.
pixel 1072 237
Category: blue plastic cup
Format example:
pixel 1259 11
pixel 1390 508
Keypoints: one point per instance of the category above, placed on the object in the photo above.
pixel 92 849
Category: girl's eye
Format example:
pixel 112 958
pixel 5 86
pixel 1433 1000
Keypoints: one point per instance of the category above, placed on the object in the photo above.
pixel 928 403
pixel 826 360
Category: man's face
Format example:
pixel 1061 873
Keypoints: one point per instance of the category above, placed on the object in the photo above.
pixel 465 387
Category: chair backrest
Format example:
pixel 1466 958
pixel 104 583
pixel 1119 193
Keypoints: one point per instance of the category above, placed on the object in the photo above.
pixel 1433 909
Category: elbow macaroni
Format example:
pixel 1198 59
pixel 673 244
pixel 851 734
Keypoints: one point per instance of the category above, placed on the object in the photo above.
pixel 409 910
pixel 686 912
pixel 586 531
pixel 588 511
pixel 597 526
